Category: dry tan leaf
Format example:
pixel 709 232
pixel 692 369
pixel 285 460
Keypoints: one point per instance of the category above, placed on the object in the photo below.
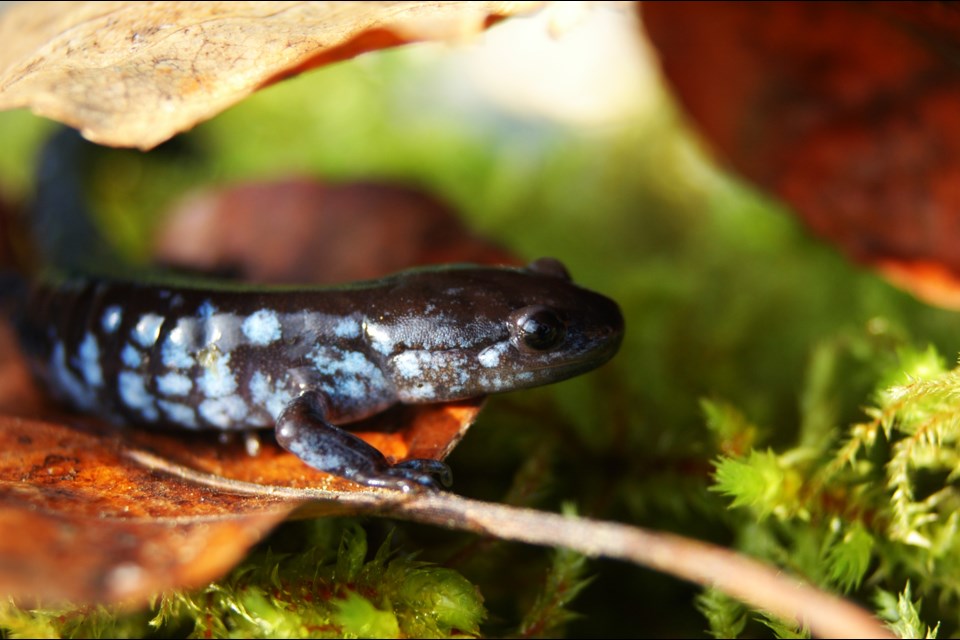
pixel 137 73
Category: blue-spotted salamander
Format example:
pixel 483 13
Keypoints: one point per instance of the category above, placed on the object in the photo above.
pixel 304 360
pixel 193 355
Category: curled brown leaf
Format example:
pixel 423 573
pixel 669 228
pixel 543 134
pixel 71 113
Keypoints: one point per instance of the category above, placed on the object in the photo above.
pixel 848 111
pixel 316 232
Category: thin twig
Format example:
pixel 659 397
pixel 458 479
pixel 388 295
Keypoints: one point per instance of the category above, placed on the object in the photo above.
pixel 754 583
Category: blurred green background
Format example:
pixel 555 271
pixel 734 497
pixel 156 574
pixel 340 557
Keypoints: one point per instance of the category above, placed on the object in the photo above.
pixel 726 296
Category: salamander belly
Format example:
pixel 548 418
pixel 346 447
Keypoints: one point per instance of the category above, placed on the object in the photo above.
pixel 155 357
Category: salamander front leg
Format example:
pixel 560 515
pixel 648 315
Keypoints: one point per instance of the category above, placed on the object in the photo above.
pixel 303 430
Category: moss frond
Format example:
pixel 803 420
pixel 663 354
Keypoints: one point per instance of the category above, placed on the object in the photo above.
pixel 725 616
pixel 762 481
pixel 902 614
pixel 881 505
pixel 316 594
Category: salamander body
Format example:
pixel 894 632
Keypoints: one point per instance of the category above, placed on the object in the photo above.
pixel 306 360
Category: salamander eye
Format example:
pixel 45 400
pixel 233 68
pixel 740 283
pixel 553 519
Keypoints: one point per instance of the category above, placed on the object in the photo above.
pixel 538 328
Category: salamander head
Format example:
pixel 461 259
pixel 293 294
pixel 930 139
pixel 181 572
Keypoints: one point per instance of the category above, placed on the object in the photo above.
pixel 464 332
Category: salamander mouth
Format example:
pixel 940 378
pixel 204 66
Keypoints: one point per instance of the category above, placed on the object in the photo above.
pixel 610 346
pixel 600 343
pixel 602 348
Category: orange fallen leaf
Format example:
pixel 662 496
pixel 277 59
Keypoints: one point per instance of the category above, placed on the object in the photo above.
pixel 84 524
pixel 137 73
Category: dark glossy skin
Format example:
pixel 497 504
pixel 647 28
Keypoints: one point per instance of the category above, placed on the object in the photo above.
pixel 304 360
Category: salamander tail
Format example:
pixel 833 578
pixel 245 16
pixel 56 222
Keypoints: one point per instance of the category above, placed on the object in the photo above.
pixel 63 230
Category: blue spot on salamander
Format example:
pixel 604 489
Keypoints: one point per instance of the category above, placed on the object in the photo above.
pixel 490 357
pixel 346 328
pixel 130 356
pixel 175 352
pixel 268 395
pixel 179 413
pixel 217 379
pixel 67 382
pixel 147 330
pixel 89 361
pixel 352 374
pixel 110 321
pixel 174 384
pixel 133 391
pixel 223 412
pixel 262 327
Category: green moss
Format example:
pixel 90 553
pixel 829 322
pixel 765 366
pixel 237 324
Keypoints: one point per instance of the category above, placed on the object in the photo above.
pixel 311 593
pixel 70 622
pixel 874 509
pixel 903 615
pixel 725 616
pixel 564 581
